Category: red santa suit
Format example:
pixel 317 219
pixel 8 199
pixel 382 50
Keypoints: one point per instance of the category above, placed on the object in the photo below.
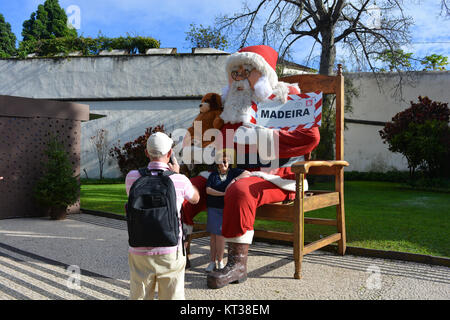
pixel 266 185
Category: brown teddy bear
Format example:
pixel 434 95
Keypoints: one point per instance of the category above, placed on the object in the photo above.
pixel 210 110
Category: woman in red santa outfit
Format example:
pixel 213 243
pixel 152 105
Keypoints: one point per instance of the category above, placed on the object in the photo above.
pixel 252 80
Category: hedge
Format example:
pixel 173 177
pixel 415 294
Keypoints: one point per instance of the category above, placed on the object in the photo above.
pixel 87 46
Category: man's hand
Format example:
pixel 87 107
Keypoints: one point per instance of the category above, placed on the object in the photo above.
pixel 174 166
pixel 196 197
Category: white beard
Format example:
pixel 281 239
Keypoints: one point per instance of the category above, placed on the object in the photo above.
pixel 238 103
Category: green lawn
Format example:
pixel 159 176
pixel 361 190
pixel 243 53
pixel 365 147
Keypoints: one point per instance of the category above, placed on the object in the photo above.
pixel 379 215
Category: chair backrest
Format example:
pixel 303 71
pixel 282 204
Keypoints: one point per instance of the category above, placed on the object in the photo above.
pixel 328 85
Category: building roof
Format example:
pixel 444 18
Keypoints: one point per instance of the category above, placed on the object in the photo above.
pixel 293 65
pixel 30 108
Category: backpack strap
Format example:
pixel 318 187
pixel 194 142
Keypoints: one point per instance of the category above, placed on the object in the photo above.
pixel 143 172
pixel 168 173
pixel 147 172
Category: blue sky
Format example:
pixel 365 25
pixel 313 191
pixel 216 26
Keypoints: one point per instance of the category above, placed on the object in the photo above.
pixel 168 20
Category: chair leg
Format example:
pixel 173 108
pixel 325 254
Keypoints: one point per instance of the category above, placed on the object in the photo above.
pixel 342 244
pixel 298 256
pixel 340 212
pixel 298 227
pixel 298 265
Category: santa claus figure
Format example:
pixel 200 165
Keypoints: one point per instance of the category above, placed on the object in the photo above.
pixel 252 80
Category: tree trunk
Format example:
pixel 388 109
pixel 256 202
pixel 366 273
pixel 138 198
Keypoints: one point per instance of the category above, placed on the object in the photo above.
pixel 325 150
pixel 328 54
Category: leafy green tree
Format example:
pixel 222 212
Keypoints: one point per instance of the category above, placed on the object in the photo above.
pixel 49 21
pixel 395 59
pixel 434 62
pixel 398 60
pixel 7 39
pixel 201 37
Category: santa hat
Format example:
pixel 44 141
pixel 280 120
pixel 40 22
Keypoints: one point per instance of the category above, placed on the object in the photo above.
pixel 263 58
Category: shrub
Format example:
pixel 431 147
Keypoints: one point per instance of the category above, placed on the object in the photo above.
pixel 389 176
pixel 422 134
pixel 131 155
pixel 57 187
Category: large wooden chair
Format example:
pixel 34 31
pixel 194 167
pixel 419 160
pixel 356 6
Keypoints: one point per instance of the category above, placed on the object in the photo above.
pixel 313 199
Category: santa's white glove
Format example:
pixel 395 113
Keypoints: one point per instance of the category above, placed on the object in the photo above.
pixel 249 133
pixel 253 134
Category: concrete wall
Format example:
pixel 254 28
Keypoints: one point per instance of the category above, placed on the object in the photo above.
pixel 135 92
pixel 125 121
pixel 364 148
pixel 140 76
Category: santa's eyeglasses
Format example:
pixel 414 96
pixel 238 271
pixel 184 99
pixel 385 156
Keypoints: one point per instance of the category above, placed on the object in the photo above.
pixel 241 75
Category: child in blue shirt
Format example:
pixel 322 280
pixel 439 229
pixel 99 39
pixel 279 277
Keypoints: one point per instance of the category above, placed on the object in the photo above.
pixel 216 185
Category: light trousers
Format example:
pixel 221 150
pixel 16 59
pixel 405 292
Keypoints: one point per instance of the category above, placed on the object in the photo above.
pixel 166 270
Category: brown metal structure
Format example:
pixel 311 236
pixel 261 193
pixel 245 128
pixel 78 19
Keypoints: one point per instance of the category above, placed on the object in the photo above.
pixel 25 125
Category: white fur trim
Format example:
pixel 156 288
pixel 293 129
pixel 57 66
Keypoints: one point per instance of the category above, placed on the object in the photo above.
pixel 204 174
pixel 281 90
pixel 285 184
pixel 247 238
pixel 254 59
pixel 266 135
pixel 188 228
pixel 263 89
pixel 257 135
pixel 244 132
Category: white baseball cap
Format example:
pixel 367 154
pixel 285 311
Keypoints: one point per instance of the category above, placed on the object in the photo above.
pixel 160 142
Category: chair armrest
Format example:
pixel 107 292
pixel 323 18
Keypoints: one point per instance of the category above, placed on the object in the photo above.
pixel 303 166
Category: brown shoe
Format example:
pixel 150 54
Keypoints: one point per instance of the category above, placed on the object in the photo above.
pixel 236 269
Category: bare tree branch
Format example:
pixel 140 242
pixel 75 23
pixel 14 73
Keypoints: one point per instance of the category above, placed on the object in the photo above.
pixel 445 8
pixel 328 22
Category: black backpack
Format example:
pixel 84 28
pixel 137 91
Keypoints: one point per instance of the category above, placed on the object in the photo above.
pixel 152 215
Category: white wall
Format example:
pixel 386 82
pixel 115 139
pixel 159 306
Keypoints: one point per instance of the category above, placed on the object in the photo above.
pixel 127 120
pixel 364 148
pixel 113 76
